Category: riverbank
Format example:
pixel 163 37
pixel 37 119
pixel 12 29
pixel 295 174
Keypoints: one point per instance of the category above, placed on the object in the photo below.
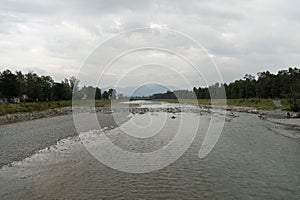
pixel 277 119
pixel 274 119
pixel 27 116
pixel 255 106
pixel 12 113
pixel 11 108
pixel 23 139
pixel 26 107
pixel 262 104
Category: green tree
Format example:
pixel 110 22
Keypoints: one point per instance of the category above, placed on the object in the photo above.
pixel 9 85
pixel 46 86
pixel 112 93
pixel 98 93
pixel 22 83
pixel 74 84
pixel 34 89
pixel 61 91
pixel 105 95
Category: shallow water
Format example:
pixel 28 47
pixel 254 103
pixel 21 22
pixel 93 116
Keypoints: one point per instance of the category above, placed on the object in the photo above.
pixel 248 162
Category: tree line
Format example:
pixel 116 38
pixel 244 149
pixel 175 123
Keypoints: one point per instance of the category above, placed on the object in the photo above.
pixel 32 88
pixel 283 84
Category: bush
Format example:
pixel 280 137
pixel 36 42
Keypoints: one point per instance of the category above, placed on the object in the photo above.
pixel 294 104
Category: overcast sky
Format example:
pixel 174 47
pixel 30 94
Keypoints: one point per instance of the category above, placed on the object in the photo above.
pixel 53 37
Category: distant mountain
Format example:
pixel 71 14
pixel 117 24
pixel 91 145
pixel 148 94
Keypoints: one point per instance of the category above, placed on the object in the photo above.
pixel 145 90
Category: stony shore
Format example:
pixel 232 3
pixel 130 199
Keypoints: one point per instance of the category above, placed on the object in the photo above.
pixel 27 116
pixel 57 124
pixel 277 119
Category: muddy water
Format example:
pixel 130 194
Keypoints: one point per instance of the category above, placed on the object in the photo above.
pixel 248 162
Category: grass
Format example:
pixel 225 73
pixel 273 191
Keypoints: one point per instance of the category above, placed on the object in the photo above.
pixel 9 108
pixel 255 103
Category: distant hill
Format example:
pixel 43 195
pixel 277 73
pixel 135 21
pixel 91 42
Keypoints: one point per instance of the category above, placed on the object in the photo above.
pixel 145 90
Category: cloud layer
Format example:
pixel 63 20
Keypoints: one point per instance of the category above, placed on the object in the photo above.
pixel 54 37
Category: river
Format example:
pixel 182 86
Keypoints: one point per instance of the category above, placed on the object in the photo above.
pixel 249 161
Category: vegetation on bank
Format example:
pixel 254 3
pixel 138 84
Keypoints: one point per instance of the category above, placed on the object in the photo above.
pixel 249 91
pixel 18 87
pixel 9 108
pixel 30 92
pixel 266 104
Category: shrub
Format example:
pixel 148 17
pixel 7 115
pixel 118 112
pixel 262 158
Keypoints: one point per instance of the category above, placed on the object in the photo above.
pixel 294 104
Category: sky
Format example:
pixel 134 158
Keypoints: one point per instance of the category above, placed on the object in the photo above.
pixel 60 37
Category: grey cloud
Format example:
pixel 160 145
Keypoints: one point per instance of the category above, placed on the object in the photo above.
pixel 242 36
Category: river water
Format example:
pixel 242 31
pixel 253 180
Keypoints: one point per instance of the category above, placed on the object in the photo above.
pixel 249 161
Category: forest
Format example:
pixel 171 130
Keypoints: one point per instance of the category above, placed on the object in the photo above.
pixel 30 87
pixel 283 85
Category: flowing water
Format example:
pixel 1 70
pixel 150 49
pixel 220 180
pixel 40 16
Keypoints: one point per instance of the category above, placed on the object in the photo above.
pixel 248 162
